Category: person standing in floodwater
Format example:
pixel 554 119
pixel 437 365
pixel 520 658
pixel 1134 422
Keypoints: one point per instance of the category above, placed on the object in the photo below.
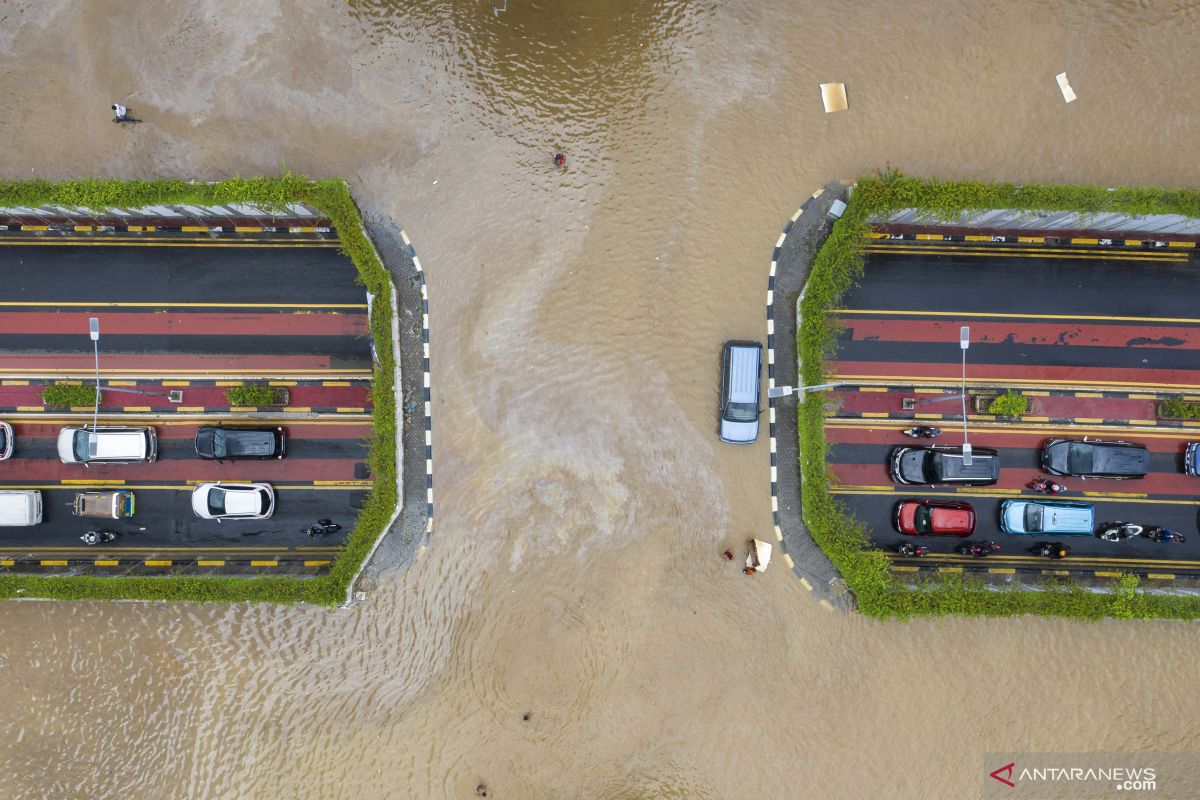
pixel 560 160
pixel 120 113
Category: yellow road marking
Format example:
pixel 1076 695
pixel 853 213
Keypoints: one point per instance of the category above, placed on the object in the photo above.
pixel 909 380
pixel 53 562
pixel 208 562
pixel 1114 494
pixel 1056 572
pixel 136 409
pixel 977 238
pixel 157 563
pixel 1007 315
pixel 1181 244
pixel 877 414
pixel 6 562
pixel 14 383
pixel 1160 576
pixel 98 304
pixel 35 227
pixel 89 482
pixel 1002 570
pixel 316 563
pixel 30 408
pixel 106 562
pixel 176 383
pixel 302 550
pixel 950 569
pixel 1083 255
pixel 1107 574
pixel 1031 239
pixel 977 492
pixel 350 410
pixel 264 563
pixel 872 388
pixel 189 409
pixel 243 409
pixel 1089 561
pixel 903 568
pixel 1085 241
pixel 281 383
pixel 335 383
pixel 215 243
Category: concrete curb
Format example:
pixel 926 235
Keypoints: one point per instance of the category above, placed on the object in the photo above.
pixel 790 261
pixel 425 383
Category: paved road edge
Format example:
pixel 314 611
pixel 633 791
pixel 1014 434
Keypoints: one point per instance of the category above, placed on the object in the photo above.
pixel 791 259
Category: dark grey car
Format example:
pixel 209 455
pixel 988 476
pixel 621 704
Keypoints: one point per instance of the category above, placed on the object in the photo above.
pixel 220 443
pixel 1092 458
pixel 929 466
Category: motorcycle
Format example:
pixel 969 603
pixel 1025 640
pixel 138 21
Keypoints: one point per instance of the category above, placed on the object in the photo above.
pixel 1053 550
pixel 1047 486
pixel 911 550
pixel 978 549
pixel 923 432
pixel 1120 531
pixel 1164 535
pixel 98 537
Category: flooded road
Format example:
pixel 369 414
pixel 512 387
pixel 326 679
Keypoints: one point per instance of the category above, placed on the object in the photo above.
pixel 577 315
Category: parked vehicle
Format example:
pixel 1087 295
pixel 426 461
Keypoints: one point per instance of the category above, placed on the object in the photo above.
pixel 1091 458
pixel 934 518
pixel 741 372
pixel 218 443
pixel 1047 517
pixel 116 504
pixel 1191 459
pixel 111 444
pixel 221 501
pixel 20 507
pixel 6 441
pixel 1164 535
pixel 910 550
pixel 977 549
pixel 1120 531
pixel 934 465
pixel 923 431
pixel 98 537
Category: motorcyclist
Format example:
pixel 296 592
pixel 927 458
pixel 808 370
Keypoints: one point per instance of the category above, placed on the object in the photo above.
pixel 910 549
pixel 1054 550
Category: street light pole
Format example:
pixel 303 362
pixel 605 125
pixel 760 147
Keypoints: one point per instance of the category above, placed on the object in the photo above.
pixel 94 332
pixel 784 391
pixel 964 341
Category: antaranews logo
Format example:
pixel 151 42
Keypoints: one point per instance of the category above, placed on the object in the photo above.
pixel 1004 774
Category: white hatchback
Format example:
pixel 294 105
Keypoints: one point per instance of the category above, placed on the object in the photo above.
pixel 221 501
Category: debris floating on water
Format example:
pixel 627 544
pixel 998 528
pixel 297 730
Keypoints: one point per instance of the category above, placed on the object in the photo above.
pixel 1068 92
pixel 833 95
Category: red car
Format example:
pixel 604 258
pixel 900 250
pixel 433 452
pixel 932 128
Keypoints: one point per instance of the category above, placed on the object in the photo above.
pixel 934 518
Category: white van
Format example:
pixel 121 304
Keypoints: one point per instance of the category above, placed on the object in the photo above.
pixel 107 444
pixel 20 507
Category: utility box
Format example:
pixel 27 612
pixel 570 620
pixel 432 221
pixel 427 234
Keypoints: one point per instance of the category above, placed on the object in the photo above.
pixel 836 210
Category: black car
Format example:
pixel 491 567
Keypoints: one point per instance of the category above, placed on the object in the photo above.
pixel 221 443
pixel 929 466
pixel 1091 458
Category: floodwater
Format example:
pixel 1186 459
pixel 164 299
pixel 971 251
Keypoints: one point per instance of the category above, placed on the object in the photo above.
pixel 582 497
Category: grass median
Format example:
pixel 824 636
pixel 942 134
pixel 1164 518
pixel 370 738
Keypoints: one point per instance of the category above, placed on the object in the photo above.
pixel 837 265
pixel 332 198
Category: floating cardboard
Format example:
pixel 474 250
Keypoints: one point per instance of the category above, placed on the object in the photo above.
pixel 1068 92
pixel 833 95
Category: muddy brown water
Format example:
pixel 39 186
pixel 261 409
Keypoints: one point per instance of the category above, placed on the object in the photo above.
pixel 583 499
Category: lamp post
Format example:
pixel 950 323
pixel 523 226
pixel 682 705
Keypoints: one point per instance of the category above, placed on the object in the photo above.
pixel 94 332
pixel 784 391
pixel 964 341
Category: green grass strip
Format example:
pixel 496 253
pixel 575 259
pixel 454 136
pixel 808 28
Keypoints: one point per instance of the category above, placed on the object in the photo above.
pixel 837 265
pixel 332 198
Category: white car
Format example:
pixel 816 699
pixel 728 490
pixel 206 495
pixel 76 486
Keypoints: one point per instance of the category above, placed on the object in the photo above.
pixel 233 501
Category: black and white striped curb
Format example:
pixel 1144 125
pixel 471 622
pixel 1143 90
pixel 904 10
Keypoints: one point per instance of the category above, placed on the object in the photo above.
pixel 425 383
pixel 771 384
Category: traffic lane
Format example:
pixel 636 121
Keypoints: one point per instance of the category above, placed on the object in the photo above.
pixel 203 366
pixel 1019 468
pixel 1065 332
pixel 48 428
pixel 1164 446
pixel 178 449
pixel 1025 285
pixel 279 322
pixel 38 470
pixel 343 350
pixel 164 518
pixel 906 371
pixel 1103 361
pixel 877 512
pixel 183 274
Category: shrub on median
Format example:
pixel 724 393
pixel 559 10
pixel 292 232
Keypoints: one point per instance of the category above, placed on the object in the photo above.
pixel 834 269
pixel 332 198
pixel 66 395
pixel 255 395
pixel 1010 404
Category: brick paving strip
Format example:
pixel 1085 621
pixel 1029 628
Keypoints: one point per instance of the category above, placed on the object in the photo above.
pixel 409 534
pixel 801 239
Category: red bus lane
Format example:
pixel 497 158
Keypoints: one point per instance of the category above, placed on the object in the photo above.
pixel 296 429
